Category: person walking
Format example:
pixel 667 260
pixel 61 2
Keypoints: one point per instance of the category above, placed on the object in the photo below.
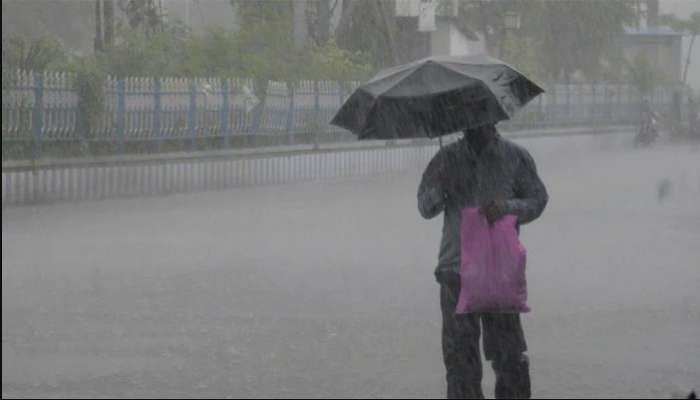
pixel 487 171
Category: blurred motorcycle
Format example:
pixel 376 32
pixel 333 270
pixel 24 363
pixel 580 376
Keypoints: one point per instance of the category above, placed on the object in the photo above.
pixel 649 130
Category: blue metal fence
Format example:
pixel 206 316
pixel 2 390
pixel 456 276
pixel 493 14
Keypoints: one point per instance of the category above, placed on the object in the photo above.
pixel 41 109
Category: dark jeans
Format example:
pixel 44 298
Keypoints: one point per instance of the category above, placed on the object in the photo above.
pixel 504 346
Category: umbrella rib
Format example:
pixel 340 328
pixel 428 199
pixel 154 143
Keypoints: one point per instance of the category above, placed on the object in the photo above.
pixel 365 123
pixel 515 70
pixel 399 81
pixel 394 70
pixel 483 83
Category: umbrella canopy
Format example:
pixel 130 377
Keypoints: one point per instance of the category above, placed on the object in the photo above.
pixel 435 96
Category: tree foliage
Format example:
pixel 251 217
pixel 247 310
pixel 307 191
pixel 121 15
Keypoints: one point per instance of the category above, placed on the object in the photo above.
pixel 580 35
pixel 35 55
pixel 144 15
pixel 555 39
pixel 89 86
pixel 138 53
pixel 642 75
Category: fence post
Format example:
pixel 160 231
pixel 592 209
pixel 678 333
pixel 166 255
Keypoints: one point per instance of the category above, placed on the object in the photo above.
pixel 80 128
pixel 225 110
pixel 626 104
pixel 594 111
pixel 258 111
pixel 618 102
pixel 157 109
pixel 605 108
pixel 121 116
pixel 676 104
pixel 38 113
pixel 632 107
pixel 555 113
pixel 341 95
pixel 568 99
pixel 317 113
pixel 290 113
pixel 191 116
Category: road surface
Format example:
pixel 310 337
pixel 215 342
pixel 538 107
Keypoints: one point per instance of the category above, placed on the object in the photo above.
pixel 326 289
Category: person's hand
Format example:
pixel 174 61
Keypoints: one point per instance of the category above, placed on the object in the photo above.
pixel 494 211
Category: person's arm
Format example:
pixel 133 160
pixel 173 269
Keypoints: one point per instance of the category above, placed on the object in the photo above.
pixel 431 197
pixel 530 193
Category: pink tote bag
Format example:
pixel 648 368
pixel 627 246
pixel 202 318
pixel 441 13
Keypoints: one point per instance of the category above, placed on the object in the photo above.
pixel 492 270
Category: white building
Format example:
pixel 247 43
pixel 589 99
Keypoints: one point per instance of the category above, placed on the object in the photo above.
pixel 436 33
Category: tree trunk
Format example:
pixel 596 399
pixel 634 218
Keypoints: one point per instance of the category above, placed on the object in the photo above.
pixel 324 22
pixel 99 43
pixel 300 27
pixel 567 79
pixel 108 24
pixel 388 31
pixel 348 8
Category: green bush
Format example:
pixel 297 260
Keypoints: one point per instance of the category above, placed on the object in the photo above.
pixel 136 53
pixel 31 55
pixel 89 80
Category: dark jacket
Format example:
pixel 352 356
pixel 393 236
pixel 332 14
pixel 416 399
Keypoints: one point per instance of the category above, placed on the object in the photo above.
pixel 458 177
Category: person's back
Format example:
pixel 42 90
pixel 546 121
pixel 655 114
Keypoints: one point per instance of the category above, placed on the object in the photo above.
pixel 487 171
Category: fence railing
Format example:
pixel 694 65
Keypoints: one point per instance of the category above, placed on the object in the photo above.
pixel 41 113
pixel 78 179
pixel 148 176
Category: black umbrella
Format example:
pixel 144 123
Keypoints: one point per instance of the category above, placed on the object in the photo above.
pixel 435 96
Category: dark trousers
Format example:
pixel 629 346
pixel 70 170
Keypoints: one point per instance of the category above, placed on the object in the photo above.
pixel 504 346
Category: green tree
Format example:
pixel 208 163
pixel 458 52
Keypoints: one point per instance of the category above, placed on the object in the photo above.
pixel 330 62
pixel 70 22
pixel 265 36
pixel 89 86
pixel 146 15
pixel 577 35
pixel 366 26
pixel 642 75
pixel 35 55
pixel 487 18
pixel 139 53
pixel 217 52
pixel 555 39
